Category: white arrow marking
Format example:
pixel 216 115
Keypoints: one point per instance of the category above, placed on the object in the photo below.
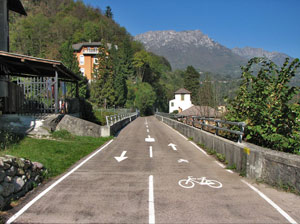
pixel 149 139
pixel 183 161
pixel 173 146
pixel 122 157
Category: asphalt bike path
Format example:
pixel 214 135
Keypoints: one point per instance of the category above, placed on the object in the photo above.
pixel 143 186
pixel 234 202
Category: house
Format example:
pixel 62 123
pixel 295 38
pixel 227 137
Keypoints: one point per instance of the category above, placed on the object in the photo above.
pixel 181 102
pixel 201 111
pixel 86 54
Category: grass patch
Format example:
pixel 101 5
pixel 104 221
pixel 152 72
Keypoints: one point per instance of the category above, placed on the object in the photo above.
pixel 201 145
pixel 211 151
pixel 190 138
pixel 101 116
pixel 220 157
pixel 56 155
pixel 231 167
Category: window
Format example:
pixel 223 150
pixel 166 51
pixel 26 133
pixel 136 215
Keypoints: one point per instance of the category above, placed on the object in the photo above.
pixel 82 71
pixel 81 60
pixel 182 97
pixel 172 104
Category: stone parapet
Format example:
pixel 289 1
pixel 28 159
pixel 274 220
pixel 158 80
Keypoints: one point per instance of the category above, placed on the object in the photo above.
pixel 272 167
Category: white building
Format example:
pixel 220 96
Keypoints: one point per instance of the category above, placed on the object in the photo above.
pixel 181 102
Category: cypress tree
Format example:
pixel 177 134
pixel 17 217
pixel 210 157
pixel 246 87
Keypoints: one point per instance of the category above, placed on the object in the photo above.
pixel 192 83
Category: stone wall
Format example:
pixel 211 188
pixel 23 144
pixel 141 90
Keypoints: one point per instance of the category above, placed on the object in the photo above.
pixel 80 127
pixel 17 177
pixel 273 167
pixel 77 126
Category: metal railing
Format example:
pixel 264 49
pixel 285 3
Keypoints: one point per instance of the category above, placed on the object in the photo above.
pixel 200 122
pixel 112 119
pixel 92 51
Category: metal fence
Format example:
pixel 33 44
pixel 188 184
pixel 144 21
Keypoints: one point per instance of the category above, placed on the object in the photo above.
pixel 202 123
pixel 112 119
pixel 39 96
pixel 114 110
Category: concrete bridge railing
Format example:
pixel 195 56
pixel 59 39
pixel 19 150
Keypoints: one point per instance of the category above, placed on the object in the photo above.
pixel 116 122
pixel 273 167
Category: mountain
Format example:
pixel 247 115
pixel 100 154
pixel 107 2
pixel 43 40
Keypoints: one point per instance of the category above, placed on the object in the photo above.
pixel 194 48
pixel 250 52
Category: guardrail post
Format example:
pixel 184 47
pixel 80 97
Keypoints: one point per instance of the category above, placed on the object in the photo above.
pixel 107 122
pixel 241 136
pixel 217 125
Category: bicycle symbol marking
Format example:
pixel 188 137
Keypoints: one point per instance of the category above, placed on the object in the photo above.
pixel 191 181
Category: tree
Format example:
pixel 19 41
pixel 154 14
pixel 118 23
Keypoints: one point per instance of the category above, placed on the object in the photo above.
pixel 262 101
pixel 70 61
pixel 207 93
pixel 145 98
pixel 102 87
pixel 108 12
pixel 192 83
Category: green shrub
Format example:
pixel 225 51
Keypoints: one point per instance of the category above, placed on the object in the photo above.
pixel 220 157
pixel 263 102
pixel 8 138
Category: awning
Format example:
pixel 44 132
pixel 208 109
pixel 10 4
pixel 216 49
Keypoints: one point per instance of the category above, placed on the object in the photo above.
pixel 16 6
pixel 27 66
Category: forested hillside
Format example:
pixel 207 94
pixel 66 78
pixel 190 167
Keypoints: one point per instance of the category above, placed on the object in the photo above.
pixel 49 24
pixel 127 78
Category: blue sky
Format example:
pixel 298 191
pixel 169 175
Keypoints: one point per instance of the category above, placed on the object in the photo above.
pixel 270 24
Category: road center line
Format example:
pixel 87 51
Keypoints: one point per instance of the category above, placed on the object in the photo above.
pixel 27 206
pixel 151 201
pixel 150 150
pixel 148 130
pixel 283 213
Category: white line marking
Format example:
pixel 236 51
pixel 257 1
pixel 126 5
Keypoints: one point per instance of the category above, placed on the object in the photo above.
pixel 230 171
pixel 220 164
pixel 151 153
pixel 148 130
pixel 176 131
pixel 182 161
pixel 283 213
pixel 151 201
pixel 27 206
pixel 199 148
pixel 149 139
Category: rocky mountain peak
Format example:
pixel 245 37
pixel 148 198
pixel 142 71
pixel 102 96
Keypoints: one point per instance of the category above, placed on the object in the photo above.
pixel 156 39
pixel 250 52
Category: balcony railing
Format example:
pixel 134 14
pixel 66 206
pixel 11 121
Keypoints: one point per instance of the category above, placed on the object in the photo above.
pixel 91 51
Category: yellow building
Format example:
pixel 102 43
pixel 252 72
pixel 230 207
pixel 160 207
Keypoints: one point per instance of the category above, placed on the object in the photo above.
pixel 86 54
